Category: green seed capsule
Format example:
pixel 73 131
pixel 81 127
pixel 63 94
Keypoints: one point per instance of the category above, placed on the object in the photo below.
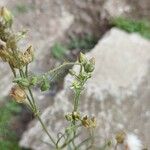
pixel 45 86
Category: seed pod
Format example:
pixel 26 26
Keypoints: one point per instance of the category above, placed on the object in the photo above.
pixel 45 86
pixel 18 94
pixel 120 137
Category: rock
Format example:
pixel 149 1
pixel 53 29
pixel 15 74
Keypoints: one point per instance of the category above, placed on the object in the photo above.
pixel 3 2
pixel 117 94
pixel 115 8
pixel 5 82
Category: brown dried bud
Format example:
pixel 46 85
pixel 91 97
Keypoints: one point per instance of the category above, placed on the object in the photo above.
pixel 89 123
pixel 5 55
pixel 28 55
pixel 120 137
pixel 22 58
pixel 18 94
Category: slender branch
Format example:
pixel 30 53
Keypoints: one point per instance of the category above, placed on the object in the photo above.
pixel 61 67
pixel 45 129
pixel 32 97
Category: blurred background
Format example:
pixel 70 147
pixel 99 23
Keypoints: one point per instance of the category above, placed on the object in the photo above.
pixel 116 33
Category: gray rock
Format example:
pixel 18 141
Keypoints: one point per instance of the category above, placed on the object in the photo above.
pixel 117 94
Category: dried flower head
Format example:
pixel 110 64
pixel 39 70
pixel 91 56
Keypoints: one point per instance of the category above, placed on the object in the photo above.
pixel 18 94
pixel 17 59
pixel 89 122
pixel 28 55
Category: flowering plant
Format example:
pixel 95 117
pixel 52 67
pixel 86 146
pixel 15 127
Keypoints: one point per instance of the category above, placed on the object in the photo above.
pixel 21 92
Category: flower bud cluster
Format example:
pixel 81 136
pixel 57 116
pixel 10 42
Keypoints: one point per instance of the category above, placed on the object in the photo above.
pixel 8 43
pixel 85 121
pixel 73 116
pixel 86 69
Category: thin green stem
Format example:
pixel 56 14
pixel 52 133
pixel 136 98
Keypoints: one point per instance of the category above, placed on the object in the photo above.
pixel 61 67
pixel 34 107
pixel 76 100
pixel 69 141
pixel 45 129
pixel 30 102
pixel 32 97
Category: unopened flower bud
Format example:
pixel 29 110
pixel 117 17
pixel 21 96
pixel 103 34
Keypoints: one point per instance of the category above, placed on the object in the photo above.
pixel 82 58
pixel 68 117
pixel 45 86
pixel 76 115
pixel 90 66
pixel 7 16
pixel 18 94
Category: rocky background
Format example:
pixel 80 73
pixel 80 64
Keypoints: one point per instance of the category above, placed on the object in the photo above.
pixel 117 94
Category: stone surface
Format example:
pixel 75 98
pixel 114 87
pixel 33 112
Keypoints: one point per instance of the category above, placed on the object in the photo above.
pixel 117 94
pixel 115 8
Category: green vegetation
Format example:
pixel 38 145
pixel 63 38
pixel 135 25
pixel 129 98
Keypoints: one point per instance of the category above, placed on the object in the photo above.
pixel 8 138
pixel 85 43
pixel 140 26
pixel 22 91
pixel 58 51
pixel 22 8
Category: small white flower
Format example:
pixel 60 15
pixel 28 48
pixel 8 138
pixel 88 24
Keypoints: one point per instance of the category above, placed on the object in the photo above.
pixel 132 142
